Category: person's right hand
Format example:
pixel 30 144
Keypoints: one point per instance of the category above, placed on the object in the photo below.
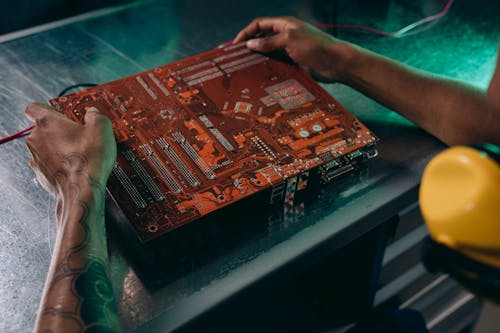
pixel 320 54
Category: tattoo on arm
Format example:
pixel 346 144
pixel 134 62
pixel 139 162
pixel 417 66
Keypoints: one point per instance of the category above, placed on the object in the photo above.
pixel 79 295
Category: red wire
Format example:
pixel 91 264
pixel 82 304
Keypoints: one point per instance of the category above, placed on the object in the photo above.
pixel 433 17
pixel 17 135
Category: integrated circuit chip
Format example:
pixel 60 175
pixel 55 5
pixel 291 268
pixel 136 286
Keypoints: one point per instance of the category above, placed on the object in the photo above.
pixel 290 94
pixel 204 132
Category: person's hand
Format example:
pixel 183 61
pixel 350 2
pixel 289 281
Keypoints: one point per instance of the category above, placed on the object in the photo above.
pixel 73 162
pixel 63 149
pixel 320 54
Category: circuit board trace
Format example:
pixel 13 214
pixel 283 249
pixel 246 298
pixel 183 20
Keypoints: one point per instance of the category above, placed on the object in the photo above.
pixel 201 133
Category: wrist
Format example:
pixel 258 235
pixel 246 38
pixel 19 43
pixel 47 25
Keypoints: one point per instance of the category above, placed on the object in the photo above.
pixel 84 181
pixel 78 188
pixel 344 56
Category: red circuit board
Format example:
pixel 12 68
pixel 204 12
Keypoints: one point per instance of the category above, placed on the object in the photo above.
pixel 201 133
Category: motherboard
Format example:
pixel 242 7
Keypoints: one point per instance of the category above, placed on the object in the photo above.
pixel 204 132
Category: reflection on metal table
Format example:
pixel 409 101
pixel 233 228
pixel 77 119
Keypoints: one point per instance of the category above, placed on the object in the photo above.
pixel 205 272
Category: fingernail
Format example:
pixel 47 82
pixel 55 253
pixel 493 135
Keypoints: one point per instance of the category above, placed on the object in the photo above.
pixel 91 109
pixel 252 43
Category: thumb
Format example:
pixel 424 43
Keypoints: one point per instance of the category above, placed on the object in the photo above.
pixel 96 119
pixel 268 43
pixel 91 115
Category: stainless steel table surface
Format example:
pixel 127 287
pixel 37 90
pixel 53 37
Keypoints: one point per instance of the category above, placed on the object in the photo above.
pixel 35 67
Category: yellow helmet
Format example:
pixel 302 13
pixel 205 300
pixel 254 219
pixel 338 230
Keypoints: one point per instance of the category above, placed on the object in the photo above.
pixel 460 201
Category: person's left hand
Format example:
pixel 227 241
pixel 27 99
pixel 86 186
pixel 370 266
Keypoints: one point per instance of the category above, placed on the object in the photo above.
pixel 63 149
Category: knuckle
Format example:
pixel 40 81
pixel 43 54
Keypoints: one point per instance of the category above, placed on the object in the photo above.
pixel 289 34
pixel 294 23
pixel 42 121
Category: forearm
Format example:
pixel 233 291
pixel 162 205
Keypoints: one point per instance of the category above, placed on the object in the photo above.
pixel 450 110
pixel 78 293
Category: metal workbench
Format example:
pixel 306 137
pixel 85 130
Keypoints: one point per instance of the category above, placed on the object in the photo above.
pixel 217 267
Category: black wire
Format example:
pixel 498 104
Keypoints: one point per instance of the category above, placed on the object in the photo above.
pixel 76 86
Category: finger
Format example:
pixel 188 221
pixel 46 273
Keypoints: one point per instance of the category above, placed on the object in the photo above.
pixel 31 147
pixel 33 110
pixel 269 43
pixel 94 117
pixel 250 30
pixel 42 114
pixel 91 113
pixel 266 25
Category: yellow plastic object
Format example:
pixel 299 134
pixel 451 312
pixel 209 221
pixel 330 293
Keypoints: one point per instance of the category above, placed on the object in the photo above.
pixel 460 202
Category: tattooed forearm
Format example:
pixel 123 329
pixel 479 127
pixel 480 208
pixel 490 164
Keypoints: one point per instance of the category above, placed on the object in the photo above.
pixel 82 300
pixel 78 296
